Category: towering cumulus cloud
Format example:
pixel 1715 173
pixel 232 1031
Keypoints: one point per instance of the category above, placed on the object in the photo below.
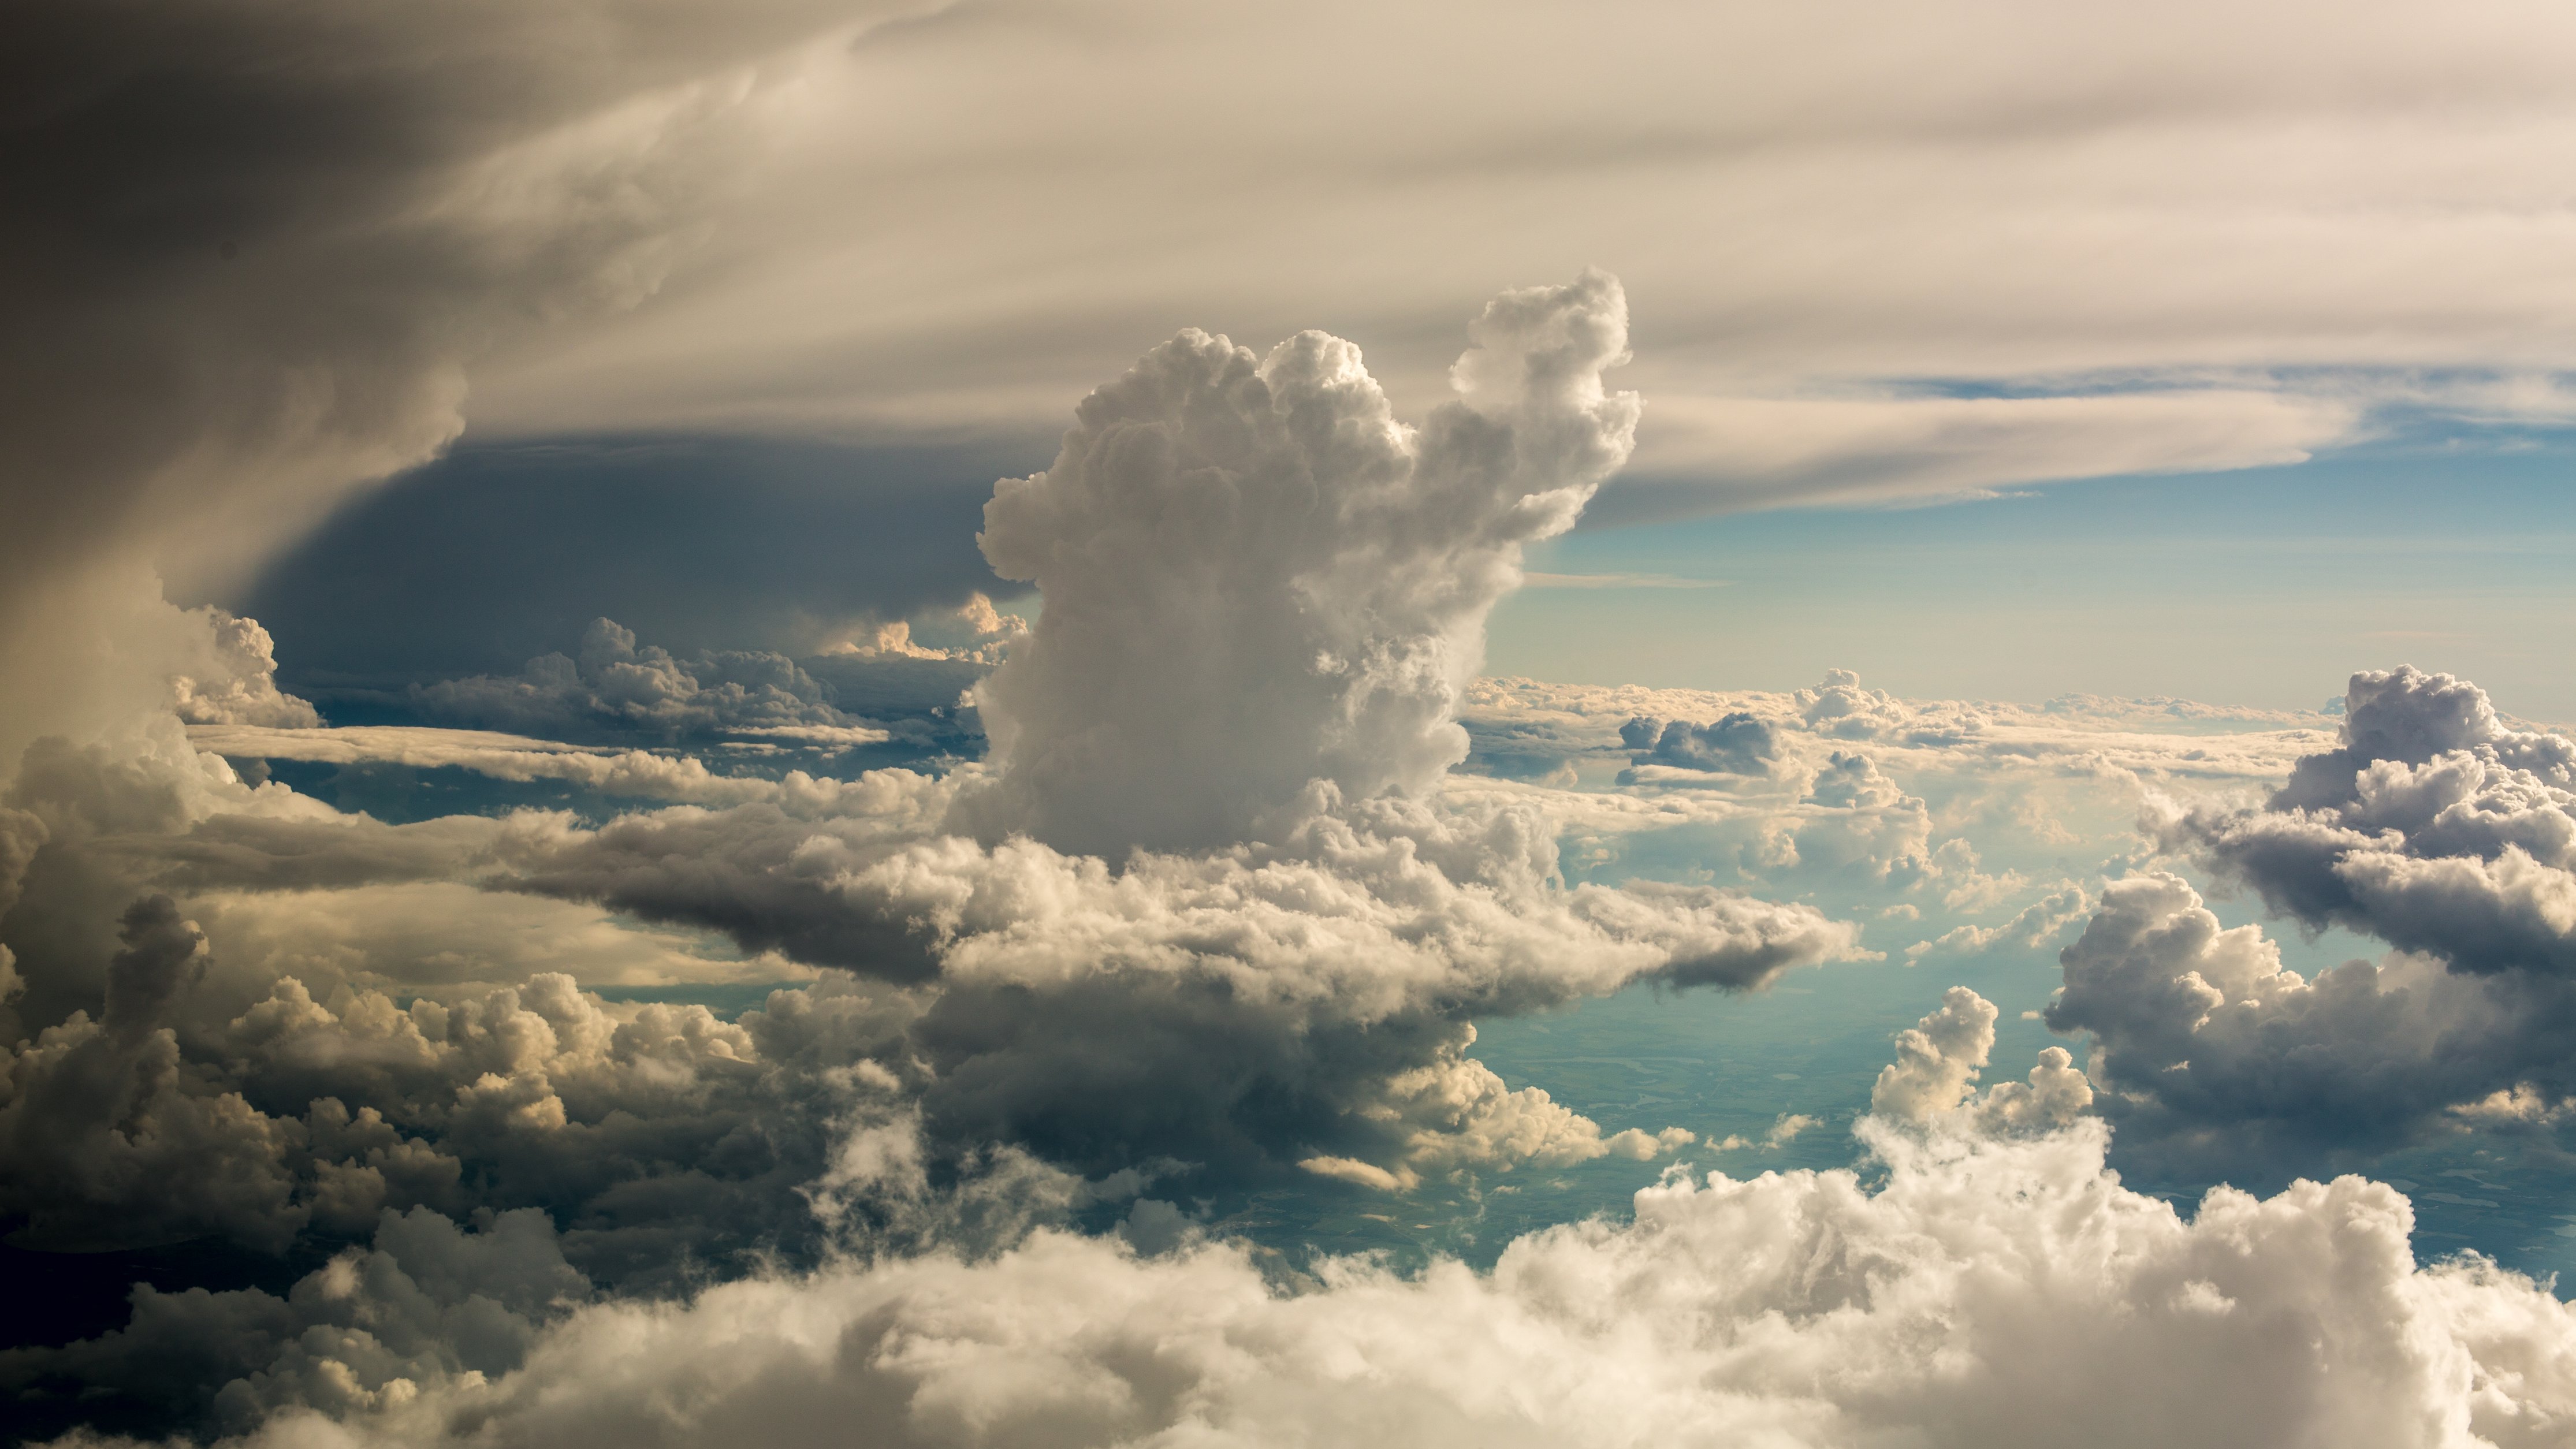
pixel 1257 578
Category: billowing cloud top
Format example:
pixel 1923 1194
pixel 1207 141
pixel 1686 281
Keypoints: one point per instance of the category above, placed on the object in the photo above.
pixel 1256 577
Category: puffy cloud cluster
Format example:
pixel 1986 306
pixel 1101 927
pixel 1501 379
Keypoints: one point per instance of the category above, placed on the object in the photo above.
pixel 1839 707
pixel 2215 1058
pixel 1330 966
pixel 1938 1060
pixel 1256 577
pixel 2433 826
pixel 428 1303
pixel 237 682
pixel 1862 822
pixel 988 635
pixel 1996 1284
pixel 667 1140
pixel 1733 744
pixel 616 689
pixel 1534 725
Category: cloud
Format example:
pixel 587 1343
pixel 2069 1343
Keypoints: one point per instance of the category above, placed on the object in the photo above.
pixel 1714 454
pixel 1938 1060
pixel 264 280
pixel 669 1140
pixel 2037 924
pixel 499 551
pixel 2180 744
pixel 631 773
pixel 2434 827
pixel 1329 966
pixel 1297 988
pixel 104 1142
pixel 614 688
pixel 1739 743
pixel 237 684
pixel 1994 1284
pixel 2431 825
pixel 427 1302
pixel 1976 335
pixel 2216 1059
pixel 1256 577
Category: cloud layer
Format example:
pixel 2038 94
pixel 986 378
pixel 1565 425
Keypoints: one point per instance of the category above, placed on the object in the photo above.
pixel 1997 1284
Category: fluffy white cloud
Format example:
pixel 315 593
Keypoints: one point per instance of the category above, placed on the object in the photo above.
pixel 1996 1285
pixel 1256 577
pixel 236 684
pixel 1320 971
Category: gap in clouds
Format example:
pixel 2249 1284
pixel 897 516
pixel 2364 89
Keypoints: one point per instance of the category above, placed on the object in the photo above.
pixel 2444 546
pixel 503 551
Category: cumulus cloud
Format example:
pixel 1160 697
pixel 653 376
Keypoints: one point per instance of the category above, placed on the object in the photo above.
pixel 1330 966
pixel 617 689
pixel 1257 577
pixel 980 634
pixel 428 1302
pixel 1739 743
pixel 237 682
pixel 1938 1060
pixel 2432 825
pixel 105 1142
pixel 2215 1058
pixel 1995 1284
pixel 669 1140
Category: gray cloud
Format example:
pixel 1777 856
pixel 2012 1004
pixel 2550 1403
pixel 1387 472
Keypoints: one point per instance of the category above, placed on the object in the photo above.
pixel 2218 1061
pixel 501 551
pixel 1736 744
pixel 613 688
pixel 254 247
pixel 2434 827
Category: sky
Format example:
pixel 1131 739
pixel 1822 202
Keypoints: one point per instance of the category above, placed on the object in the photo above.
pixel 1147 724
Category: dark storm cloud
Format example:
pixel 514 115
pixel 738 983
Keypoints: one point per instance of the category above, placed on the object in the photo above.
pixel 497 554
pixel 258 238
pixel 1738 744
pixel 2433 826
